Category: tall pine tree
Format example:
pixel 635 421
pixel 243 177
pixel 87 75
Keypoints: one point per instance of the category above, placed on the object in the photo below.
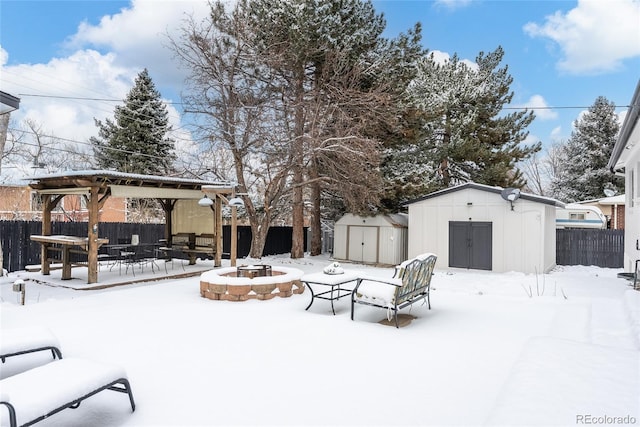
pixel 465 134
pixel 583 173
pixel 136 141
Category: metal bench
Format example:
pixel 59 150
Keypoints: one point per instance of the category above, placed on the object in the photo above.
pixel 410 284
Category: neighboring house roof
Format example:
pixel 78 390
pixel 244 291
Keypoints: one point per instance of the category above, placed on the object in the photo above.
pixel 609 201
pixel 490 189
pixel 630 122
pixel 8 102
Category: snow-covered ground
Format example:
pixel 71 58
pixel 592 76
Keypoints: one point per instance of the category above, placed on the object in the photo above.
pixel 511 349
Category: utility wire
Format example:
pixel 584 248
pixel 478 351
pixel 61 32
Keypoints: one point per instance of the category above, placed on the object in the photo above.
pixel 182 103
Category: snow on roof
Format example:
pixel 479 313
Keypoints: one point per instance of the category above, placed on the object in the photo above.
pixel 490 189
pixel 123 175
pixel 399 219
pixel 613 200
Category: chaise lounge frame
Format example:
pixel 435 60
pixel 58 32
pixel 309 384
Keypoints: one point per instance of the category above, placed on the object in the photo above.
pixel 40 339
pixel 120 384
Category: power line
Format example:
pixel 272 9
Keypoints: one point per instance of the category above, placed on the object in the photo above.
pixel 562 107
pixel 81 98
pixel 66 150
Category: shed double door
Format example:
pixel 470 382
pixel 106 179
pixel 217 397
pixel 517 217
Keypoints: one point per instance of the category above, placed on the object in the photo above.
pixel 470 245
pixel 363 244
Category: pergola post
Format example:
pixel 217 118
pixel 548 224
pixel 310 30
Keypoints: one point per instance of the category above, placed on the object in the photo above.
pixel 167 206
pixel 47 207
pixel 92 243
pixel 218 230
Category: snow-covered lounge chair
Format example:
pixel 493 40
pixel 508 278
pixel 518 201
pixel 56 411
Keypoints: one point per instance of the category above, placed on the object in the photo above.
pixel 411 283
pixel 36 394
pixel 14 342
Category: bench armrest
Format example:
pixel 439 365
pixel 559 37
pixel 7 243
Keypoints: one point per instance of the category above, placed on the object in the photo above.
pixel 388 280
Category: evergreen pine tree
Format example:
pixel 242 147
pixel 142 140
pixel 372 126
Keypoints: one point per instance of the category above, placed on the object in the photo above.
pixel 465 134
pixel 583 173
pixel 136 141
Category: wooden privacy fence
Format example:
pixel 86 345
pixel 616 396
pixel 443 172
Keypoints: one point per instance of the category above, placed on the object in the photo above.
pixel 19 251
pixel 603 248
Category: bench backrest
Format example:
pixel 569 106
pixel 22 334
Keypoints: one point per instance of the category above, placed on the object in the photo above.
pixel 206 240
pixel 416 277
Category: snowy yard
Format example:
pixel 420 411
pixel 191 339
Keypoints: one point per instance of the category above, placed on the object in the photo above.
pixel 494 349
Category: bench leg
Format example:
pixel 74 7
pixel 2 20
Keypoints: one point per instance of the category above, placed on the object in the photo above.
pixel 126 388
pixel 12 414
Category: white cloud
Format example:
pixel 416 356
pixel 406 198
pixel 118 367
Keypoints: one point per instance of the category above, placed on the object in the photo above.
pixel 4 56
pixel 540 107
pixel 453 4
pixel 46 91
pixel 556 134
pixel 443 57
pixel 139 36
pixel 595 36
pixel 102 63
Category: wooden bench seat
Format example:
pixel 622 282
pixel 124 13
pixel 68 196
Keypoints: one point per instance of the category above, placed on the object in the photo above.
pixel 193 245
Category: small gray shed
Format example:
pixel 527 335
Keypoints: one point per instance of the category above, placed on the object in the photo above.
pixel 380 239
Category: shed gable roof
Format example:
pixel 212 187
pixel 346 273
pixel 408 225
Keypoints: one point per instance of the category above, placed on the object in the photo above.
pixel 489 189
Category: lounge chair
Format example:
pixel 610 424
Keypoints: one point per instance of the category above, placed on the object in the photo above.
pixel 36 394
pixel 14 342
pixel 411 283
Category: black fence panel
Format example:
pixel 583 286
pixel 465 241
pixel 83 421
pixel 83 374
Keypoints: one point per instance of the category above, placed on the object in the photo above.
pixel 19 251
pixel 603 248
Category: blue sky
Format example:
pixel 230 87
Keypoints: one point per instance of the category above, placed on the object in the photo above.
pixel 561 54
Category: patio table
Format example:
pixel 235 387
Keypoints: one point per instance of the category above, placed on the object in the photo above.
pixel 334 281
pixel 66 243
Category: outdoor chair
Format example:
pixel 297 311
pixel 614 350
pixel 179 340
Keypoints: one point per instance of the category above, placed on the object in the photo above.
pixel 36 394
pixel 17 341
pixel 411 283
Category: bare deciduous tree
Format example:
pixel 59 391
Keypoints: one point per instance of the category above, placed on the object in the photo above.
pixel 229 97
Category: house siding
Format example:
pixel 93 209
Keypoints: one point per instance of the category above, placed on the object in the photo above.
pixel 15 204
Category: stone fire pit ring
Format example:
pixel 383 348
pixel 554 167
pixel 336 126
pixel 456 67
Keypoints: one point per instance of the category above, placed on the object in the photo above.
pixel 223 284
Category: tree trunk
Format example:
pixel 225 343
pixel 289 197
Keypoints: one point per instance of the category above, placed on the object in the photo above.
pixel 316 226
pixel 297 238
pixel 259 237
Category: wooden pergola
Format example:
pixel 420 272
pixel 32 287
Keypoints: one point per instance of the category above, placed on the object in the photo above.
pixel 96 186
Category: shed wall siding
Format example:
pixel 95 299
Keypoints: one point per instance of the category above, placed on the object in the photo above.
pixel 340 241
pixel 518 235
pixel 390 246
pixel 393 244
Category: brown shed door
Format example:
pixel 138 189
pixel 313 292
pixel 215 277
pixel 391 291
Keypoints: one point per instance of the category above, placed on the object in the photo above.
pixel 470 245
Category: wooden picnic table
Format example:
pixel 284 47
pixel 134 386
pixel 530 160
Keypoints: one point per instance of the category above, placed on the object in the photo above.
pixel 65 243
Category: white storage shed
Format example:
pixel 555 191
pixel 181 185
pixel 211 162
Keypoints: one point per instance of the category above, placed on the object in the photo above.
pixel 380 239
pixel 486 228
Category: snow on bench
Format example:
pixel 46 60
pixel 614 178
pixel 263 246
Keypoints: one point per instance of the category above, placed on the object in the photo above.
pixel 33 395
pixel 16 341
